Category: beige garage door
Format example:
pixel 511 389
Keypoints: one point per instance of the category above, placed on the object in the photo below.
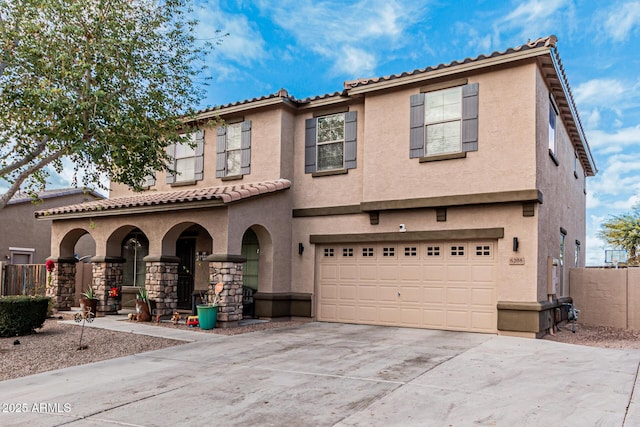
pixel 435 285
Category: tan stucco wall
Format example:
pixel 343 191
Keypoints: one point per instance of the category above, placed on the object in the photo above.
pixel 607 297
pixel 564 198
pixel 506 132
pixel 266 160
pixel 19 228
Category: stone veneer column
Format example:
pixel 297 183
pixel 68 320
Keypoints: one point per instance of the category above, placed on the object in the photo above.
pixel 107 273
pixel 228 270
pixel 62 289
pixel 161 283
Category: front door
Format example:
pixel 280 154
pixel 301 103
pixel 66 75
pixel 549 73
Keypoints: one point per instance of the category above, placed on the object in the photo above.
pixel 186 251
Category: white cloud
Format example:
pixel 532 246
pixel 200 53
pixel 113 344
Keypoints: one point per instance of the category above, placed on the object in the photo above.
pixel 244 45
pixel 621 21
pixel 599 91
pixel 353 36
pixel 355 61
pixel 592 119
pixel 606 142
pixel 537 18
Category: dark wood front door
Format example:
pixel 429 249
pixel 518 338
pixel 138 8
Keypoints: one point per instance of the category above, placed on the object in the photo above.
pixel 186 251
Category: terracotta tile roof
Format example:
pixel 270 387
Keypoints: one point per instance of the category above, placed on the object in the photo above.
pixel 549 41
pixel 226 194
pixel 21 197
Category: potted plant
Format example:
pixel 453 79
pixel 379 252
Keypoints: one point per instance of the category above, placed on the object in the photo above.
pixel 208 310
pixel 143 305
pixel 89 302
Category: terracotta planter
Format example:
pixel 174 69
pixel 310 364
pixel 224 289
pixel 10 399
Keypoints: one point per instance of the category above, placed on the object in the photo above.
pixel 87 304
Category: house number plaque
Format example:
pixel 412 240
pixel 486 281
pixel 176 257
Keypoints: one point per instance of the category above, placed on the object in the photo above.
pixel 516 260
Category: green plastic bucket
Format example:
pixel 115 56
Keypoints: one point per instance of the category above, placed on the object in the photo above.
pixel 207 316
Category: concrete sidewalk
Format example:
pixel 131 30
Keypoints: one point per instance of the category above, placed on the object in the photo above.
pixel 335 374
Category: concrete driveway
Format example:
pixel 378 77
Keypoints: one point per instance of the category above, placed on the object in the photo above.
pixel 324 374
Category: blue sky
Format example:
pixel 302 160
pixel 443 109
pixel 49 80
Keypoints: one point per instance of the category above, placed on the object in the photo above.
pixel 311 47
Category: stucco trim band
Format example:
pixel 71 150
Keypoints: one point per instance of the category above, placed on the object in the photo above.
pixel 226 258
pixel 286 304
pixel 516 196
pixel 332 210
pixel 410 236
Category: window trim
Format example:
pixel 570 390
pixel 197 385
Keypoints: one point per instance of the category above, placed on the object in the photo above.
pixel 468 122
pixel 222 151
pixel 553 130
pixel 350 144
pixel 198 167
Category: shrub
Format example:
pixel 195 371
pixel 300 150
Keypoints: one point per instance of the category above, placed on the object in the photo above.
pixel 22 315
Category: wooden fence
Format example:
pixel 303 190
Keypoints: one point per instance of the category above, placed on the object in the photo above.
pixel 23 279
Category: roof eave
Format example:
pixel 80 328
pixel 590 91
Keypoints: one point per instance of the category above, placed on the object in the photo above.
pixel 133 210
pixel 449 70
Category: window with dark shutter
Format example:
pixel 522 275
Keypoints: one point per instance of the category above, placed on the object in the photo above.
pixel 331 142
pixel 233 150
pixel 444 121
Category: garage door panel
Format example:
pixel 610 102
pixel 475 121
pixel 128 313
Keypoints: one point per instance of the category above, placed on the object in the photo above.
pixel 411 294
pixel 483 297
pixel 367 272
pixel 328 311
pixel 457 273
pixel 347 313
pixel 329 291
pixel 348 272
pixel 328 271
pixel 442 285
pixel 457 295
pixel 434 294
pixel 368 313
pixel 433 318
pixel 482 273
pixel 388 272
pixel 458 319
pixel 348 293
pixel 410 273
pixel 483 321
pixel 411 316
pixel 388 315
pixel 368 292
pixel 388 293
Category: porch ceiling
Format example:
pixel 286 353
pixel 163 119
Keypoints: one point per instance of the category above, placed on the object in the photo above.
pixel 170 200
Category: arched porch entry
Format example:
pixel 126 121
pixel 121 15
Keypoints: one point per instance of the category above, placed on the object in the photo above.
pixel 68 279
pixel 191 244
pixel 257 270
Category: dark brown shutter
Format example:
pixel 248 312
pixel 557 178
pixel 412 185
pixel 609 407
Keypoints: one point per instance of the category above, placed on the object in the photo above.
pixel 310 146
pixel 221 151
pixel 470 117
pixel 171 152
pixel 199 166
pixel 416 136
pixel 245 161
pixel 350 136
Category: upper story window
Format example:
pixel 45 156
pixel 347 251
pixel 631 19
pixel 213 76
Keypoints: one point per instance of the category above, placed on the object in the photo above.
pixel 444 122
pixel 330 142
pixel 188 159
pixel 233 150
pixel 553 145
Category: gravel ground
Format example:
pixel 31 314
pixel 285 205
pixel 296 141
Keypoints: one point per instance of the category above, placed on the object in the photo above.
pixel 56 345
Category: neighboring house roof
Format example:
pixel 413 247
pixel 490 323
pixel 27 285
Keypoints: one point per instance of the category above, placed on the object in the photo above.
pixel 543 48
pixel 169 200
pixel 21 197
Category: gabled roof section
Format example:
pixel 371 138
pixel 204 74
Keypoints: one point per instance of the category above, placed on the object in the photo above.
pixel 21 197
pixel 169 200
pixel 420 73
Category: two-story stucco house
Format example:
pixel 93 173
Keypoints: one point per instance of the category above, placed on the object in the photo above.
pixel 450 197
